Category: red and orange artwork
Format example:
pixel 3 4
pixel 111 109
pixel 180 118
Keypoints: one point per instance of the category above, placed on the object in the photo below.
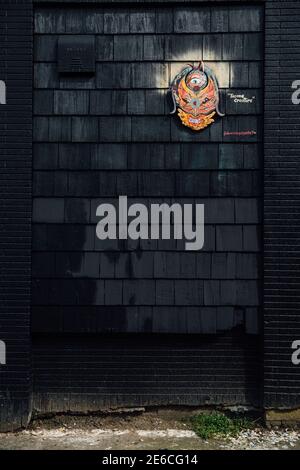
pixel 195 94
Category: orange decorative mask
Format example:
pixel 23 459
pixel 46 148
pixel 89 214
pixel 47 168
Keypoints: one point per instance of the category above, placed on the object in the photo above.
pixel 195 94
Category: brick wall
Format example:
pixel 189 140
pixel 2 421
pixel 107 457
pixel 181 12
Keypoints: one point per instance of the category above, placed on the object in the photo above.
pixel 281 252
pixel 15 210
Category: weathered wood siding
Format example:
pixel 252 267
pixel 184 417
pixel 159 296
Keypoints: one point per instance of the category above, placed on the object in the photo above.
pixel 110 134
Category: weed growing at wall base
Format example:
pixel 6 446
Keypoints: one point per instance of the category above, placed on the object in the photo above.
pixel 212 424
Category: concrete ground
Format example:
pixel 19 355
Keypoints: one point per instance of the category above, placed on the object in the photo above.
pixel 146 431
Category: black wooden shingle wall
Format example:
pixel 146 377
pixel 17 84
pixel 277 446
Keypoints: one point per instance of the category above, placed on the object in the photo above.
pixel 110 134
pixel 282 318
pixel 15 210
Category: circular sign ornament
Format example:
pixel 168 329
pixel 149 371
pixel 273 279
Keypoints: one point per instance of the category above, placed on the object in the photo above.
pixel 195 94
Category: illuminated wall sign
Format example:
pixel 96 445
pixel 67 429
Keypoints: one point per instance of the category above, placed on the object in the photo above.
pixel 2 92
pixel 195 94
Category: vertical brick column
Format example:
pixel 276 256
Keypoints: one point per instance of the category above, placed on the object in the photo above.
pixel 282 205
pixel 15 210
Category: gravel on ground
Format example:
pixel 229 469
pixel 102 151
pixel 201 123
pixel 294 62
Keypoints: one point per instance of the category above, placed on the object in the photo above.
pixel 141 431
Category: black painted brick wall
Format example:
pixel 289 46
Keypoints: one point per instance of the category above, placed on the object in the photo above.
pixel 282 146
pixel 98 137
pixel 111 371
pixel 15 210
pixel 58 359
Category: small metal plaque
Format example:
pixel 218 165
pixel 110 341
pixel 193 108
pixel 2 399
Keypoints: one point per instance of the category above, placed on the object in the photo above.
pixel 76 54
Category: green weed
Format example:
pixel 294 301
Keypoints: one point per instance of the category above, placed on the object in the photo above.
pixel 216 423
